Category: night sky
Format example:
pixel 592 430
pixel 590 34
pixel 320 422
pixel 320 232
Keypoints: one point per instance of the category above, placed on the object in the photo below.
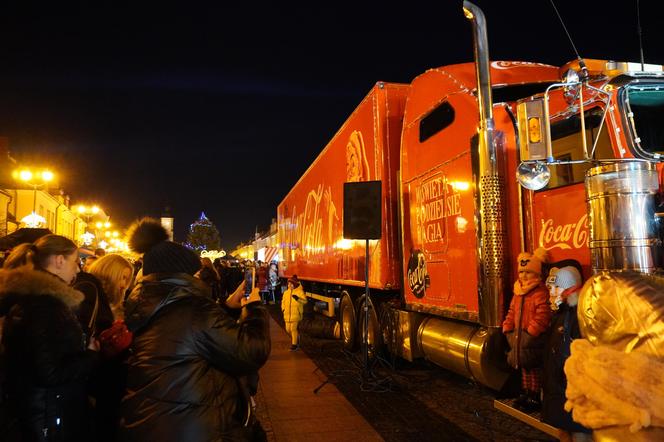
pixel 204 107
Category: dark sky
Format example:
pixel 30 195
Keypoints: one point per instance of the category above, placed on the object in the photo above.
pixel 205 107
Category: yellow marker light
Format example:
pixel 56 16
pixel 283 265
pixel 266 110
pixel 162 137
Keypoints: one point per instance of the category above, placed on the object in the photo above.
pixel 534 133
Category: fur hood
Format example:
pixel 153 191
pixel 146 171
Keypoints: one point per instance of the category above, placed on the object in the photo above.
pixel 25 281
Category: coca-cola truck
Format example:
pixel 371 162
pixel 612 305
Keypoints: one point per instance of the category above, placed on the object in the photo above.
pixel 478 161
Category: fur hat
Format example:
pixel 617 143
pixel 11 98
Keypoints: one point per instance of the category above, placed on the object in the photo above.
pixel 293 280
pixel 567 277
pixel 147 236
pixel 532 262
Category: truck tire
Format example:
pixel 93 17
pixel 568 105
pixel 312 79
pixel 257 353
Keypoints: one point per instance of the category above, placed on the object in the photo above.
pixel 375 336
pixel 348 322
pixel 388 323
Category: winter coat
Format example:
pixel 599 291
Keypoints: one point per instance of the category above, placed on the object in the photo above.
pixel 262 281
pixel 45 356
pixel 528 318
pixel 564 329
pixel 291 308
pixel 107 381
pixel 93 291
pixel 186 356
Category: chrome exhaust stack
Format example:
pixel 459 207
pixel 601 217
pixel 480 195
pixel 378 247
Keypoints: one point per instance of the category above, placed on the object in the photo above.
pixel 491 182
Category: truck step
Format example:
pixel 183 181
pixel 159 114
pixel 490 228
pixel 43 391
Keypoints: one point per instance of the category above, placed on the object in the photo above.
pixel 531 419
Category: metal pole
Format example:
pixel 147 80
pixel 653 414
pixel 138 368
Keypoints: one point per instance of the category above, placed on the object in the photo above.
pixel 34 200
pixel 366 306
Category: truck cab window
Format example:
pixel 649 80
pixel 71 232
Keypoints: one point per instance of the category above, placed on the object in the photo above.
pixel 645 102
pixel 567 145
pixel 437 120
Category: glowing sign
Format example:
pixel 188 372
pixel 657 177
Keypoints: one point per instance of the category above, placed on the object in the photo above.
pixel 213 254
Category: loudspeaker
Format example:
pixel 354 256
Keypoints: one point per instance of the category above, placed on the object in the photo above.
pixel 362 214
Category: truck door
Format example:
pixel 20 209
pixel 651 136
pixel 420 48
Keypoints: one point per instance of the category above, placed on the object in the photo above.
pixel 440 261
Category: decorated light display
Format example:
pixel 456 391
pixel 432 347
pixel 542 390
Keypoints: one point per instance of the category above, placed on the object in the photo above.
pixel 203 235
pixel 87 238
pixel 34 220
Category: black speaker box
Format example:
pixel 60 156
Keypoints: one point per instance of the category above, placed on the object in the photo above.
pixel 362 214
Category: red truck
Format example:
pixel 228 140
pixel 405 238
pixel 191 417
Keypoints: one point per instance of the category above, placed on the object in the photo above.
pixel 478 161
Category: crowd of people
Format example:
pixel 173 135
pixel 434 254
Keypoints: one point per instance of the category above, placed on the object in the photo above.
pixel 123 351
pixel 225 275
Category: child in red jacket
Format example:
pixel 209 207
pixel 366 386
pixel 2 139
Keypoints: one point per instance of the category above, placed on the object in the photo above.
pixel 528 318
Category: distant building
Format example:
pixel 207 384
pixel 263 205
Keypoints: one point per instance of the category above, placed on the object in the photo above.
pixel 17 203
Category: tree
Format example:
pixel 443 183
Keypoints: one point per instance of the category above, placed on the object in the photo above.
pixel 203 235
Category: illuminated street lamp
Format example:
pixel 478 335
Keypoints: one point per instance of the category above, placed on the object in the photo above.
pixel 35 180
pixel 88 212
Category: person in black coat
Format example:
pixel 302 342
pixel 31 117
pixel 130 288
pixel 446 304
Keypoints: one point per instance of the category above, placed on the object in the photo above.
pixel 188 354
pixel 45 356
pixel 564 285
pixel 94 313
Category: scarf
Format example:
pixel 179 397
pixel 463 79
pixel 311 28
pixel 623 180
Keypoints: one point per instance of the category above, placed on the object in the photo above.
pixel 522 290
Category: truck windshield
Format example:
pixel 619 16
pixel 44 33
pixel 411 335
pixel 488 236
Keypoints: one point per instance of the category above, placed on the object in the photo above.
pixel 644 104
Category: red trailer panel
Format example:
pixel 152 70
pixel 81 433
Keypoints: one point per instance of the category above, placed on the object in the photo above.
pixel 310 218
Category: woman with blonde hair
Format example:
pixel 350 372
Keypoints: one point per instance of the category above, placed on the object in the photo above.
pixel 116 275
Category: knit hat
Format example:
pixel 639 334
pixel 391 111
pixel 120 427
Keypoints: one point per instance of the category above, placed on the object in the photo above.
pixel 567 277
pixel 293 280
pixel 532 262
pixel 147 236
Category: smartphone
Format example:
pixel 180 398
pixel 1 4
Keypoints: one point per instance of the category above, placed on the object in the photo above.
pixel 249 274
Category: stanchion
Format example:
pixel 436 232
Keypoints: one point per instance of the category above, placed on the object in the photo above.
pixel 366 370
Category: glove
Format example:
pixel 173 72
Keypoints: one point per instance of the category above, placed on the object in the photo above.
pixel 295 297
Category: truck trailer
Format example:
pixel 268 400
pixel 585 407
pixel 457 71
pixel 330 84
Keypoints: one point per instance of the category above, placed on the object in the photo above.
pixel 477 162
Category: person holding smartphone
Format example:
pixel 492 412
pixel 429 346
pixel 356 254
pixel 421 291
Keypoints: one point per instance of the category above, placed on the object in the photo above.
pixel 292 306
pixel 188 355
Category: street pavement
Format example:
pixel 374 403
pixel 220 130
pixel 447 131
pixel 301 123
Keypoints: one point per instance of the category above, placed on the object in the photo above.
pixel 295 404
pixel 402 401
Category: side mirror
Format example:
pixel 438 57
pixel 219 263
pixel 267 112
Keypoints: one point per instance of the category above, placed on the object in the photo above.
pixel 534 138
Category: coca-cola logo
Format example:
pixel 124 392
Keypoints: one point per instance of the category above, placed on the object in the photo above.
pixel 564 236
pixel 418 278
pixel 512 64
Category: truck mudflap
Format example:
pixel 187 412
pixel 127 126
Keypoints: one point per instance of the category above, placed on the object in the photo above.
pixel 466 349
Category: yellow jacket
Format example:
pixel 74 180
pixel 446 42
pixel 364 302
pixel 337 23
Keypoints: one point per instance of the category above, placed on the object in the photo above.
pixel 291 308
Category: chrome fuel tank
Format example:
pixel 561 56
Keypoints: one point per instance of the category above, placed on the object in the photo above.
pixel 623 226
pixel 469 350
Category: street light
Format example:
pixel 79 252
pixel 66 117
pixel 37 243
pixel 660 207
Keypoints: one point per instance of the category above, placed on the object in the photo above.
pixel 35 180
pixel 88 212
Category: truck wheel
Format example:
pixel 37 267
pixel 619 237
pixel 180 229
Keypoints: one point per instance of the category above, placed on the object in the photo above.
pixel 375 336
pixel 388 326
pixel 348 322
